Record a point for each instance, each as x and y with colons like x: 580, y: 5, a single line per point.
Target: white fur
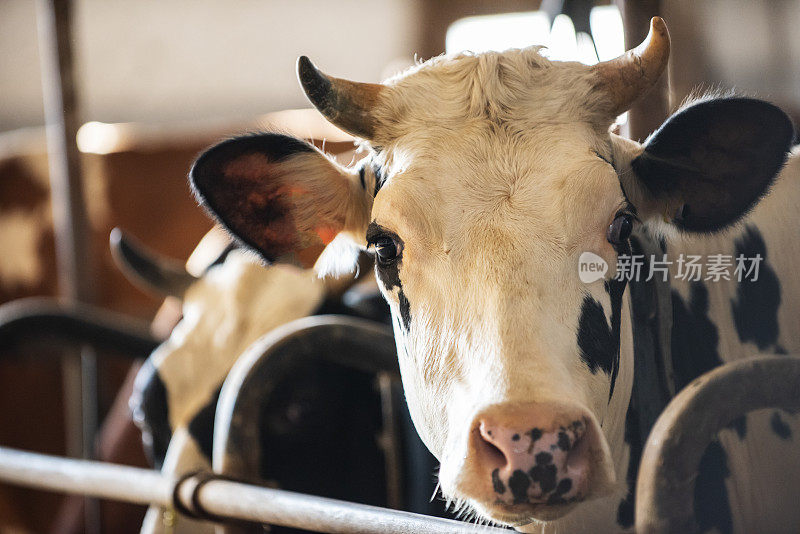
x: 223, y: 313
x: 494, y: 184
x: 487, y: 158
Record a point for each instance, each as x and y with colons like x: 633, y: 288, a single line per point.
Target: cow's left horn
x: 161, y: 275
x: 632, y: 74
x: 346, y: 104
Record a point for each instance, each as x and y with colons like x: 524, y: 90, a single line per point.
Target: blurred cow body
x: 235, y: 302
x: 224, y: 311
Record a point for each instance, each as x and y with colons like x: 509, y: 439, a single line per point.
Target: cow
x: 488, y: 177
x: 226, y: 310
x: 175, y: 393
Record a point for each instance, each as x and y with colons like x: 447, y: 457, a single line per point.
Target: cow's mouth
x: 517, y: 515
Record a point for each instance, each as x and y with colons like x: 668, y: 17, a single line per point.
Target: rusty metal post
x: 71, y: 229
x: 648, y: 112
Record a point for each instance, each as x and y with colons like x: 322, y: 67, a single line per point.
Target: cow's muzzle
x: 535, y: 460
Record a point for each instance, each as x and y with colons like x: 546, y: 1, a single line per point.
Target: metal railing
x: 218, y: 498
x: 671, y: 458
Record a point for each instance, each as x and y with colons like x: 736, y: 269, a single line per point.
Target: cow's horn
x: 346, y: 104
x: 145, y: 269
x: 632, y: 74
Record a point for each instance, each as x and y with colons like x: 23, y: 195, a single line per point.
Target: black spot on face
x: 515, y: 437
x: 535, y: 433
x: 201, y: 427
x: 544, y: 472
x: 755, y: 308
x: 519, y: 484
x: 594, y: 337
x: 405, y: 309
x: 779, y: 426
x: 497, y: 484
x: 563, y: 441
x: 389, y: 274
x: 564, y: 485
x: 545, y: 475
x: 151, y: 411
x: 694, y: 336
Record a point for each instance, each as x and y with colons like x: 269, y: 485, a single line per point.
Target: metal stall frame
x: 209, y: 496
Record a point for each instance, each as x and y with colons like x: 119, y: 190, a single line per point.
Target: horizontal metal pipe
x: 94, y: 479
x: 218, y: 497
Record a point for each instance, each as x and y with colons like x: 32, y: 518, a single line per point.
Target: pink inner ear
x: 263, y: 200
x: 326, y: 233
x: 252, y: 167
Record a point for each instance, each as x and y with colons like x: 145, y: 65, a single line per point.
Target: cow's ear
x: 280, y: 196
x: 710, y: 163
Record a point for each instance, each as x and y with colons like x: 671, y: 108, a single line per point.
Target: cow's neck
x: 639, y: 402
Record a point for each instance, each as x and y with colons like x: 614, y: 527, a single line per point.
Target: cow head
x: 224, y: 311
x: 489, y: 175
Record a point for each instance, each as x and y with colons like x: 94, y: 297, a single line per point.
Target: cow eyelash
x: 387, y: 249
x: 621, y: 226
x: 386, y: 246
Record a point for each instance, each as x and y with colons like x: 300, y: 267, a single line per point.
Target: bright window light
x: 519, y: 30
x: 606, y: 24
x: 498, y: 32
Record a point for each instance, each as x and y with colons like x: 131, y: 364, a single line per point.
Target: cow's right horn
x: 145, y: 269
x: 632, y: 74
x: 346, y: 104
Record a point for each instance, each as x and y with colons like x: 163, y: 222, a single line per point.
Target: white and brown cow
x: 489, y: 175
x: 224, y: 311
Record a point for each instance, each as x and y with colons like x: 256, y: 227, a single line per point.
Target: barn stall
x: 104, y: 175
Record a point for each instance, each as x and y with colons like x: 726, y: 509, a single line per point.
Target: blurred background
x: 156, y: 81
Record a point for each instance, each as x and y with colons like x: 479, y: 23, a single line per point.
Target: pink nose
x: 535, y: 454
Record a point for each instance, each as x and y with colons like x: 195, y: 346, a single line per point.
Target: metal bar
x: 61, y: 113
x: 222, y: 498
x: 665, y: 487
x: 389, y: 440
x: 54, y: 19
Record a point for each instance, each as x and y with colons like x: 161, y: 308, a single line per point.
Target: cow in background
x: 489, y: 176
x: 235, y: 302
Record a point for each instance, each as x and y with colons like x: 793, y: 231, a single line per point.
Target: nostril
x: 493, y: 454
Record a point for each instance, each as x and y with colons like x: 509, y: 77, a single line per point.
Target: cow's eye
x: 386, y: 249
x: 620, y: 229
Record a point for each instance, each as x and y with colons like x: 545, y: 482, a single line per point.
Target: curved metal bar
x: 352, y: 342
x: 37, y: 321
x: 668, y: 470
